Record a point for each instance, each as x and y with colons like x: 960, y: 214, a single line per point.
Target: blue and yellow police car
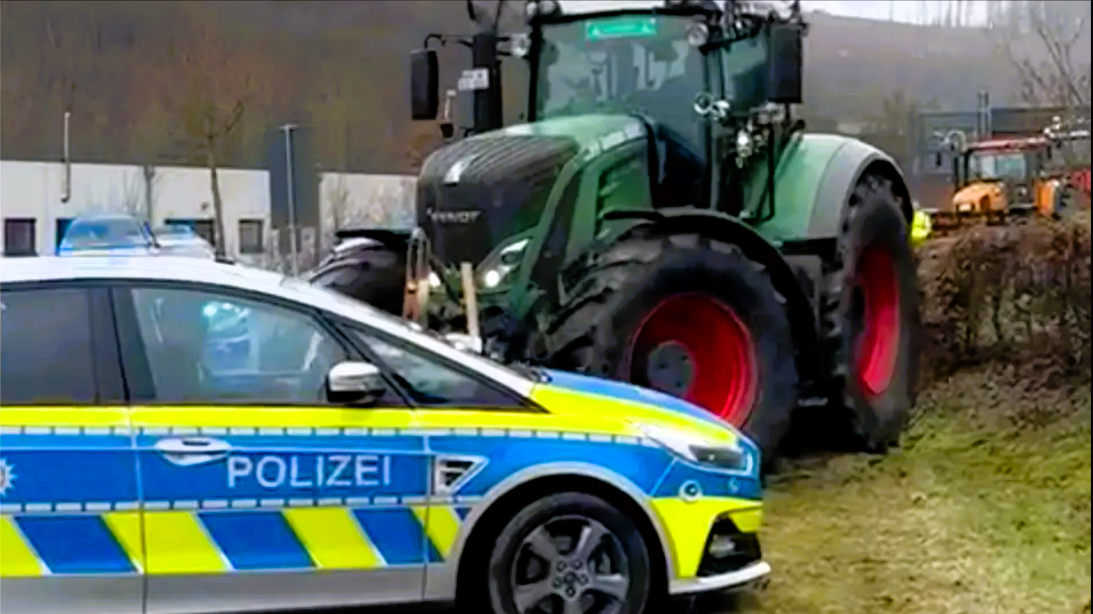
x: 335, y: 456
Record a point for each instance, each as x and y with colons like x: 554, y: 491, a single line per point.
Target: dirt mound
x: 1015, y: 298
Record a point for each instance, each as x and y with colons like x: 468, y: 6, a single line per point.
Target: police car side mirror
x: 354, y: 382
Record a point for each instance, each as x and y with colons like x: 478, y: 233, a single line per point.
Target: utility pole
x: 293, y: 247
x: 66, y: 181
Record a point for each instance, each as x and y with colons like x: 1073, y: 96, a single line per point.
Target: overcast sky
x: 900, y: 10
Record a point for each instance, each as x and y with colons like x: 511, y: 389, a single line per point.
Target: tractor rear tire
x: 871, y: 320
x: 375, y: 275
x: 695, y: 303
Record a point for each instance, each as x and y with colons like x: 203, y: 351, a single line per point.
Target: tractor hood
x: 477, y: 192
x: 969, y: 197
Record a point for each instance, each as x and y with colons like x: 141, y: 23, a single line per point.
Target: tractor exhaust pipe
x: 470, y: 299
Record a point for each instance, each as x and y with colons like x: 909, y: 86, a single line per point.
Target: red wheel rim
x: 878, y: 344
x: 698, y: 330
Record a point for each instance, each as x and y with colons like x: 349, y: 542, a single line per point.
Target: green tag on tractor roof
x: 621, y: 27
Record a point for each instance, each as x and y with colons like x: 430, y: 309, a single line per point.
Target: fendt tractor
x: 663, y: 218
x: 998, y: 181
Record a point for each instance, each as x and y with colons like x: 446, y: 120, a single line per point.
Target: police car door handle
x: 189, y: 451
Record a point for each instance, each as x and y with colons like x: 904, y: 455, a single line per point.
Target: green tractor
x: 663, y: 219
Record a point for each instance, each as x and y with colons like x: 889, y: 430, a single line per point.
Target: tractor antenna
x: 497, y: 15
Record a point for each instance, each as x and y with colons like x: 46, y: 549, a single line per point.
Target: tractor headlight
x: 697, y: 35
x: 541, y: 8
x: 521, y: 45
x: 496, y: 268
x: 701, y: 451
x: 434, y: 280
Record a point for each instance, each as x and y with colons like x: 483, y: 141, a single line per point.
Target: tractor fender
x: 813, y: 183
x: 395, y: 239
x: 722, y: 227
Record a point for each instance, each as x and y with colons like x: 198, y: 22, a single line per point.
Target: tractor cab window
x: 622, y: 64
x: 989, y: 165
x: 745, y: 69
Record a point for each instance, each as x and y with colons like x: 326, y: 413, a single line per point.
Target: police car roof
x: 192, y: 270
x: 197, y: 270
x: 168, y: 268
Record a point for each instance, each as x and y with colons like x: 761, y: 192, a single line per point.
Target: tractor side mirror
x: 785, y: 65
x: 424, y: 85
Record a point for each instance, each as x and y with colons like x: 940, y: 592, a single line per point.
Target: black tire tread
x: 571, y: 337
x: 834, y: 328
x: 379, y: 279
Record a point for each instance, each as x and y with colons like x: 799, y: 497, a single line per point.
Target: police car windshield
x: 999, y: 165
x: 411, y: 329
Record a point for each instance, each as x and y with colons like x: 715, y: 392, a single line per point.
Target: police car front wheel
x: 570, y: 553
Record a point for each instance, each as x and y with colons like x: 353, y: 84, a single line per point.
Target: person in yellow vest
x: 921, y: 228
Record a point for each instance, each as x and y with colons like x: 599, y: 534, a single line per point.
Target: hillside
x: 341, y: 67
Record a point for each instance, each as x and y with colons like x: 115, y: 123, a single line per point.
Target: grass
x: 978, y: 513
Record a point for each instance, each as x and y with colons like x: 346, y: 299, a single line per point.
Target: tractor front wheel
x: 374, y: 274
x: 691, y: 317
x: 871, y: 316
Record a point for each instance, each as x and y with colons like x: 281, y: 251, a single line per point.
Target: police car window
x: 203, y: 347
x: 46, y: 341
x: 429, y: 380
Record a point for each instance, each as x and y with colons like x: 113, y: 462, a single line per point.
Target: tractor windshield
x: 621, y: 64
x: 991, y: 165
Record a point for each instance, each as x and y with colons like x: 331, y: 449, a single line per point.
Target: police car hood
x: 570, y: 393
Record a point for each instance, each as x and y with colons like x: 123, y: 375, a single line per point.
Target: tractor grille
x: 1019, y: 193
x: 476, y: 193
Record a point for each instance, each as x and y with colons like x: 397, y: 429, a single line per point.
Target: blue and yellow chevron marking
x: 326, y: 488
x: 687, y: 525
x: 218, y: 542
x: 34, y: 545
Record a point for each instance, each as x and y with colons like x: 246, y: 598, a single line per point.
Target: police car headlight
x: 964, y: 207
x: 499, y: 267
x: 702, y: 451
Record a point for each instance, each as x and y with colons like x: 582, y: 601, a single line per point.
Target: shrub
x: 1017, y: 296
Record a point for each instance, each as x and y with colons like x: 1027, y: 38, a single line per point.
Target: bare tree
x: 207, y: 91
x: 18, y: 101
x: 332, y: 114
x: 1045, y: 58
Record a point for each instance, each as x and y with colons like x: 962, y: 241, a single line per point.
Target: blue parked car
x: 108, y: 234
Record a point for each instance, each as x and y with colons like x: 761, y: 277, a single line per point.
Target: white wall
x: 33, y: 190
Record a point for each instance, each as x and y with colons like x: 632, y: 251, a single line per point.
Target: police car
x: 348, y: 458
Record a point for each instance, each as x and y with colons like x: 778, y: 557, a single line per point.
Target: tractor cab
x: 1013, y: 177
x: 630, y: 63
x: 993, y: 176
x: 646, y: 107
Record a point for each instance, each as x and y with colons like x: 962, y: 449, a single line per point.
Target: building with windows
x: 37, y: 210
